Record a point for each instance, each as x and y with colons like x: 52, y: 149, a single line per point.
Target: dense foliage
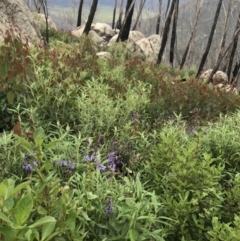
x: 113, y: 149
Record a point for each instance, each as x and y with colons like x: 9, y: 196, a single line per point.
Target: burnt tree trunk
x: 79, y: 19
x: 114, y: 14
x: 234, y: 48
x: 119, y: 22
x: 210, y: 39
x: 193, y: 32
x: 139, y: 14
x: 174, y: 32
x: 90, y: 17
x: 166, y: 31
x: 159, y: 17
x: 124, y: 32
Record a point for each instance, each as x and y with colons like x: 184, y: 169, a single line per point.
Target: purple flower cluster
x: 108, y: 207
x: 112, y: 161
x: 66, y: 164
x: 94, y: 158
x: 28, y: 160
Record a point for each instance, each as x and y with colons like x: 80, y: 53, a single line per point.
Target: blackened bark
x: 234, y: 47
x: 205, y: 54
x: 90, y: 17
x: 166, y: 32
x: 159, y: 17
x: 174, y: 32
x: 119, y: 22
x: 124, y: 32
x: 114, y: 14
x: 79, y: 19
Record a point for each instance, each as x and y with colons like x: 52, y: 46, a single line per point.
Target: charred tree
x: 44, y: 7
x: 193, y: 32
x: 234, y: 47
x: 114, y: 14
x: 159, y: 17
x: 124, y: 32
x: 91, y: 17
x: 210, y: 39
x: 119, y: 22
x: 79, y: 19
x: 139, y: 14
x: 174, y: 32
x: 166, y: 31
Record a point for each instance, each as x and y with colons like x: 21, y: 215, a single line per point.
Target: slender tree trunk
x: 167, y: 8
x: 44, y: 6
x: 79, y: 19
x: 235, y: 73
x: 174, y: 32
x: 124, y: 32
x: 166, y: 31
x: 234, y: 48
x: 193, y: 32
x: 119, y: 22
x: 90, y: 17
x: 223, y: 40
x: 204, y: 57
x: 139, y: 14
x: 114, y: 14
x: 159, y: 17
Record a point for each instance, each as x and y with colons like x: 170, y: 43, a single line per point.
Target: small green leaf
x: 84, y: 214
x: 4, y: 218
x: 19, y: 187
x: 51, y: 144
x: 47, y: 229
x: 23, y: 209
x: 3, y: 190
x: 10, y: 97
x: 91, y: 196
x: 42, y: 221
x: 42, y: 210
x: 39, y: 133
x: 27, y: 145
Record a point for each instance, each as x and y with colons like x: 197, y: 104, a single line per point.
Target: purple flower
x: 111, y: 157
x: 28, y: 166
x: 112, y: 166
x: 64, y: 163
x: 71, y: 165
x: 87, y: 158
x: 101, y: 167
x: 108, y: 207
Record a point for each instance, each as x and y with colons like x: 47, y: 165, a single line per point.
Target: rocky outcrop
x: 220, y: 81
x: 41, y: 22
x: 218, y: 78
x: 16, y: 17
x: 137, y: 45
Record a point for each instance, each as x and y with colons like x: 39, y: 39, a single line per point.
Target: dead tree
x: 205, y: 54
x: 159, y: 17
x: 79, y: 19
x: 166, y: 31
x: 142, y: 3
x: 174, y: 32
x: 44, y: 7
x: 114, y: 14
x: 125, y: 29
x: 234, y: 48
x: 90, y: 17
x: 119, y: 22
x: 225, y: 28
x: 193, y: 32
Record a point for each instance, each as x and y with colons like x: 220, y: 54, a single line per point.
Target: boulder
x: 135, y: 36
x: 17, y: 17
x: 145, y: 46
x: 78, y: 31
x: 103, y: 30
x: 41, y: 22
x: 218, y: 78
x: 95, y: 37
